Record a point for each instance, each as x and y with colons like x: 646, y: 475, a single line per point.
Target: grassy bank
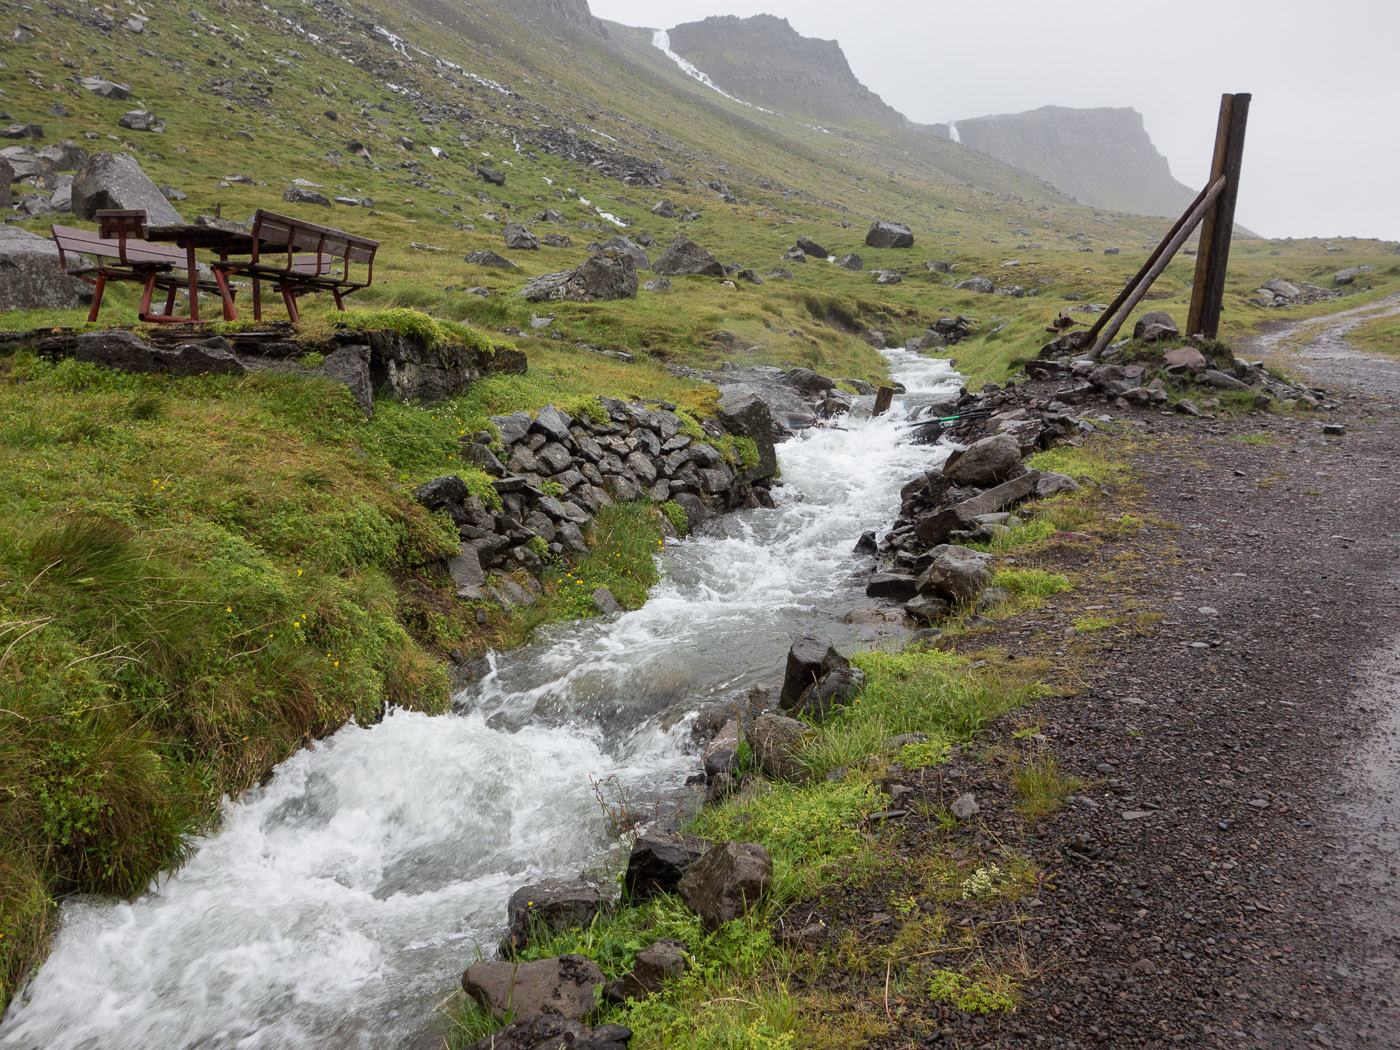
x: 199, y: 576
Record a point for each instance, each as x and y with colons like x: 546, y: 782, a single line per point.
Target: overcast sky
x: 1322, y: 151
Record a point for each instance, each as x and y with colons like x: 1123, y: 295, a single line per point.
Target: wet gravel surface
x: 1230, y: 877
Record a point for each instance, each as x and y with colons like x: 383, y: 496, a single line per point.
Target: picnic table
x: 293, y: 255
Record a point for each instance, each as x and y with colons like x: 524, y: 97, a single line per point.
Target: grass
x: 1040, y: 787
x: 1378, y: 336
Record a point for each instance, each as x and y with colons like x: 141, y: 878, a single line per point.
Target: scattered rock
x: 958, y: 575
x: 726, y: 882
x: 550, y: 1032
x: 1155, y: 326
x: 545, y: 908
x: 30, y: 276
x: 519, y: 238
x: 115, y: 180
x: 685, y: 257
x: 774, y: 740
x: 657, y: 862
x: 565, y: 987
x: 985, y: 462
x: 141, y: 120
x: 298, y: 195
x: 486, y: 257
x: 610, y: 274
x: 889, y: 235
x: 976, y: 284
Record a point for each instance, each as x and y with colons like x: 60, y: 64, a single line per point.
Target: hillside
x: 1101, y: 157
x: 201, y: 575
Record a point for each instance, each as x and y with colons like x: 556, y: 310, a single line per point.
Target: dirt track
x: 1230, y: 880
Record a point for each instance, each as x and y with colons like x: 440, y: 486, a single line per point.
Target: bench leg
x: 339, y: 300
x: 257, y: 299
x: 98, y: 289
x: 226, y: 294
x: 146, y: 294
x: 290, y: 299
x: 170, y: 301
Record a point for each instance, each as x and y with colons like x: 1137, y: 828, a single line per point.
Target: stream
x: 335, y: 906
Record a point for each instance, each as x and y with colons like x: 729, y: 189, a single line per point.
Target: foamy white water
x: 337, y: 904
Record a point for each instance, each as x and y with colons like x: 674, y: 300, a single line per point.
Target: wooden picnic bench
x: 298, y: 256
x: 121, y: 253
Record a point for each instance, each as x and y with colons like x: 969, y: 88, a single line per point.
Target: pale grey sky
x: 1322, y: 152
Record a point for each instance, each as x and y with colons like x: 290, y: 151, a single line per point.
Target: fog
x: 1321, y: 147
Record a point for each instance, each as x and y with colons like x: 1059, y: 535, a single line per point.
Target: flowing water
x: 337, y: 903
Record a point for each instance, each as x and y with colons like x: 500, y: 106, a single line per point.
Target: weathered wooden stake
x: 1213, y: 252
x: 883, y: 397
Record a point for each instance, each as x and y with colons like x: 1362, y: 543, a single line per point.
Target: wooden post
x: 1213, y: 252
x: 883, y: 397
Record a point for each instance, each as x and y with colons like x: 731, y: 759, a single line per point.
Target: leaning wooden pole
x: 1193, y: 218
x: 1213, y: 252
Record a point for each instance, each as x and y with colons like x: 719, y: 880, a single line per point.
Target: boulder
x: 7, y: 176
x: 657, y: 963
x: 129, y: 352
x: 985, y: 462
x: 610, y: 274
x: 624, y: 244
x: 30, y: 276
x: 63, y: 156
x: 566, y: 986
x: 300, y: 195
x: 664, y: 208
x: 658, y: 284
x: 808, y: 382
x: 550, y: 1032
x: 491, y: 175
x: 519, y: 238
x: 1154, y: 326
x: 744, y: 414
x: 976, y: 284
x: 1347, y: 276
x: 892, y: 585
x: 726, y: 882
x: 486, y: 257
x: 1221, y: 380
x: 105, y: 88
x: 22, y: 131
x: 809, y: 659
x: 811, y: 247
x: 957, y: 575
x: 605, y: 603
x: 115, y: 180
x: 657, y: 862
x: 442, y: 493
x: 774, y: 740
x: 835, y: 689
x: 940, y: 526
x: 548, y: 907
x: 926, y: 611
x: 141, y: 120
x: 685, y: 257
x: 1187, y: 357
x: 937, y: 266
x: 888, y: 277
x: 350, y: 365
x: 1049, y: 484
x: 851, y: 262
x: 889, y: 235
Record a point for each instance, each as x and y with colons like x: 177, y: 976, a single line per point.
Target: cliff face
x: 765, y: 61
x: 1101, y: 157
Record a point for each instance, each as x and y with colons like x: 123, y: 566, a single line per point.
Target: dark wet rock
x: 809, y: 658
x: 726, y: 882
x: 551, y: 1032
x: 657, y: 963
x: 985, y: 462
x: 565, y: 987
x: 624, y: 244
x: 657, y: 862
x: 836, y: 689
x: 141, y: 120
x: 546, y: 908
x: 518, y: 238
x: 957, y: 575
x: 491, y: 175
x: 774, y: 740
x: 605, y: 603
x: 684, y: 257
x: 129, y: 352
x: 896, y: 587
x: 851, y: 261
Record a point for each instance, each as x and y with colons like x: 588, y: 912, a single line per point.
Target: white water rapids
x: 337, y: 904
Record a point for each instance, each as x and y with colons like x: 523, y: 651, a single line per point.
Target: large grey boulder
x: 141, y: 120
x: 550, y: 1032
x: 976, y: 284
x: 851, y: 261
x: 726, y: 882
x: 105, y: 88
x: 566, y: 986
x: 986, y: 462
x: 889, y: 235
x: 775, y: 741
x: 624, y: 244
x: 129, y: 352
x: 811, y: 247
x: 63, y: 156
x: 7, y: 176
x: 301, y: 195
x: 809, y: 658
x: 957, y: 575
x: 519, y: 238
x: 685, y: 257
x: 610, y: 274
x: 486, y: 257
x: 546, y: 908
x: 115, y: 180
x: 30, y: 277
